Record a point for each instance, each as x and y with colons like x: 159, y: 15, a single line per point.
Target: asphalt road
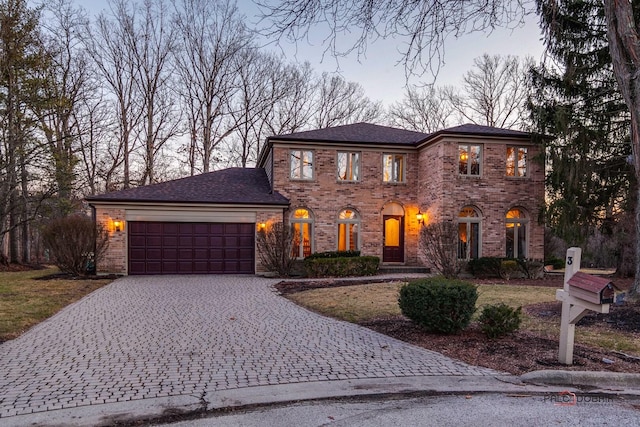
x: 448, y: 410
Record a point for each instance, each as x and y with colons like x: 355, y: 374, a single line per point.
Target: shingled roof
x: 227, y: 186
x: 357, y: 132
x: 471, y: 129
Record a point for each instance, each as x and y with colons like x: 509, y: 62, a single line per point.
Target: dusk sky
x: 379, y: 72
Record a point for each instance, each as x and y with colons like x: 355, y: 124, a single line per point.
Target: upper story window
x: 348, y: 166
x: 301, y: 163
x: 394, y: 167
x: 469, y: 159
x: 517, y: 161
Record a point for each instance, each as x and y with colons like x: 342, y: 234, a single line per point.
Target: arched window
x: 302, y: 222
x: 469, y: 233
x: 516, y: 235
x: 348, y: 229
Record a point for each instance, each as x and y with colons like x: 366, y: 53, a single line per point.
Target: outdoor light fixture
x: 117, y: 225
x: 420, y: 217
x: 262, y: 226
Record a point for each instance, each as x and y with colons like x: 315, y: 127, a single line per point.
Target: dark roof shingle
x: 226, y: 186
x: 357, y: 132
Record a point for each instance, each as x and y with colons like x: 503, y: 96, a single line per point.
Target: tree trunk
x: 624, y: 46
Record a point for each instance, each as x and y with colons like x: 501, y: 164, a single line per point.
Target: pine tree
x: 590, y: 179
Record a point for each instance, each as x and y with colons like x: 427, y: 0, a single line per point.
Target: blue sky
x: 379, y: 72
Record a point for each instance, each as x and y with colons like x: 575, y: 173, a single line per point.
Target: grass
x: 361, y: 303
x: 25, y: 301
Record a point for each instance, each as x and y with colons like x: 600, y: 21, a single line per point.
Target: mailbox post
x: 582, y: 292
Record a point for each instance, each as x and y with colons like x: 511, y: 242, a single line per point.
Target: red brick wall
x: 325, y: 196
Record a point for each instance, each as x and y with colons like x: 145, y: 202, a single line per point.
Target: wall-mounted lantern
x: 116, y: 225
x: 420, y: 217
x: 262, y: 226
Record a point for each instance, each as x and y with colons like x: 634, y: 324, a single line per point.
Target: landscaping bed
x: 523, y: 351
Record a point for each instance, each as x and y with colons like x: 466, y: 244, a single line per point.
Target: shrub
x: 509, y: 269
x: 341, y: 267
x: 439, y: 304
x: 334, y: 254
x: 532, y: 269
x: 485, y: 267
x: 439, y: 243
x: 76, y: 243
x: 500, y: 319
x: 274, y: 248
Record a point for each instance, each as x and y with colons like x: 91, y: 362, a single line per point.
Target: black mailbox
x: 594, y: 289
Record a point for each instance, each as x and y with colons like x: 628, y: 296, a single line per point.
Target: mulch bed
x: 516, y: 353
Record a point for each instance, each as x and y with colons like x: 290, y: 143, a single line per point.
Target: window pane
x: 348, y: 166
x: 353, y: 237
x: 306, y: 239
x: 474, y: 153
x: 342, y: 166
x: 521, y: 229
x: 522, y: 161
x: 295, y: 164
x: 392, y: 232
x: 511, y: 161
x: 511, y: 247
x: 307, y: 165
x: 463, y: 156
x: 342, y: 237
x: 474, y: 246
x: 393, y: 168
x: 462, y: 240
x: 355, y: 167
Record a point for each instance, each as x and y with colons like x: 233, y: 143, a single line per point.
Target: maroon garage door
x: 190, y: 248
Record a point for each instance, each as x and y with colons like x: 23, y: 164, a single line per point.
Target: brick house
x: 359, y: 186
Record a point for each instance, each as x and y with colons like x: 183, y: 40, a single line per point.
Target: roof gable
x: 226, y: 186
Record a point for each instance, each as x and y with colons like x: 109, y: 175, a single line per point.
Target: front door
x: 393, y: 236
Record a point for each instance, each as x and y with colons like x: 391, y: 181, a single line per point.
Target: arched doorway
x: 393, y: 233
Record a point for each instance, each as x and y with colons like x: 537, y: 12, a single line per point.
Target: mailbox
x: 594, y: 289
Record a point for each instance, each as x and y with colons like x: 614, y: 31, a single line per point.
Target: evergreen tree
x: 590, y: 181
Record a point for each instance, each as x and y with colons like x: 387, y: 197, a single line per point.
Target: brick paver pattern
x: 148, y: 337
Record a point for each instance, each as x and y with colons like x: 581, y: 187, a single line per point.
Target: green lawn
x: 25, y: 301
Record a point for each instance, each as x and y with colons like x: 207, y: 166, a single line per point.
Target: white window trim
x: 514, y: 221
x: 468, y: 220
x: 480, y: 160
x: 404, y: 168
x: 347, y: 221
x: 313, y: 165
x: 349, y: 156
x: 310, y: 221
x: 527, y: 162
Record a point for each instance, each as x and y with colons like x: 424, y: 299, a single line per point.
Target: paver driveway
x: 147, y: 337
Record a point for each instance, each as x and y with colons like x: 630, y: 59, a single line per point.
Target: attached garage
x: 191, y: 248
x: 204, y: 224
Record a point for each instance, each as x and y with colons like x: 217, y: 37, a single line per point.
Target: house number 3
x: 569, y: 260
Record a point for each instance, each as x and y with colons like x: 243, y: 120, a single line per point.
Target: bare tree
x: 108, y: 43
x: 210, y: 34
x: 64, y: 86
x: 339, y: 102
x: 293, y: 90
x: 422, y: 109
x: 494, y: 92
x: 152, y: 43
x: 439, y: 244
x: 425, y: 24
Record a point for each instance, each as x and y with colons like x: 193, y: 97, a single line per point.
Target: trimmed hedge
x: 341, y: 267
x: 438, y: 304
x: 334, y: 254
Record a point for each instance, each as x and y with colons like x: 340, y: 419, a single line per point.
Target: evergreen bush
x: 438, y: 304
x: 499, y: 319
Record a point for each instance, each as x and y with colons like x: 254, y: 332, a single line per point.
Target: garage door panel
x: 181, y: 248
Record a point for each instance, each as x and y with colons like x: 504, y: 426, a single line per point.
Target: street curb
x: 605, y: 381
